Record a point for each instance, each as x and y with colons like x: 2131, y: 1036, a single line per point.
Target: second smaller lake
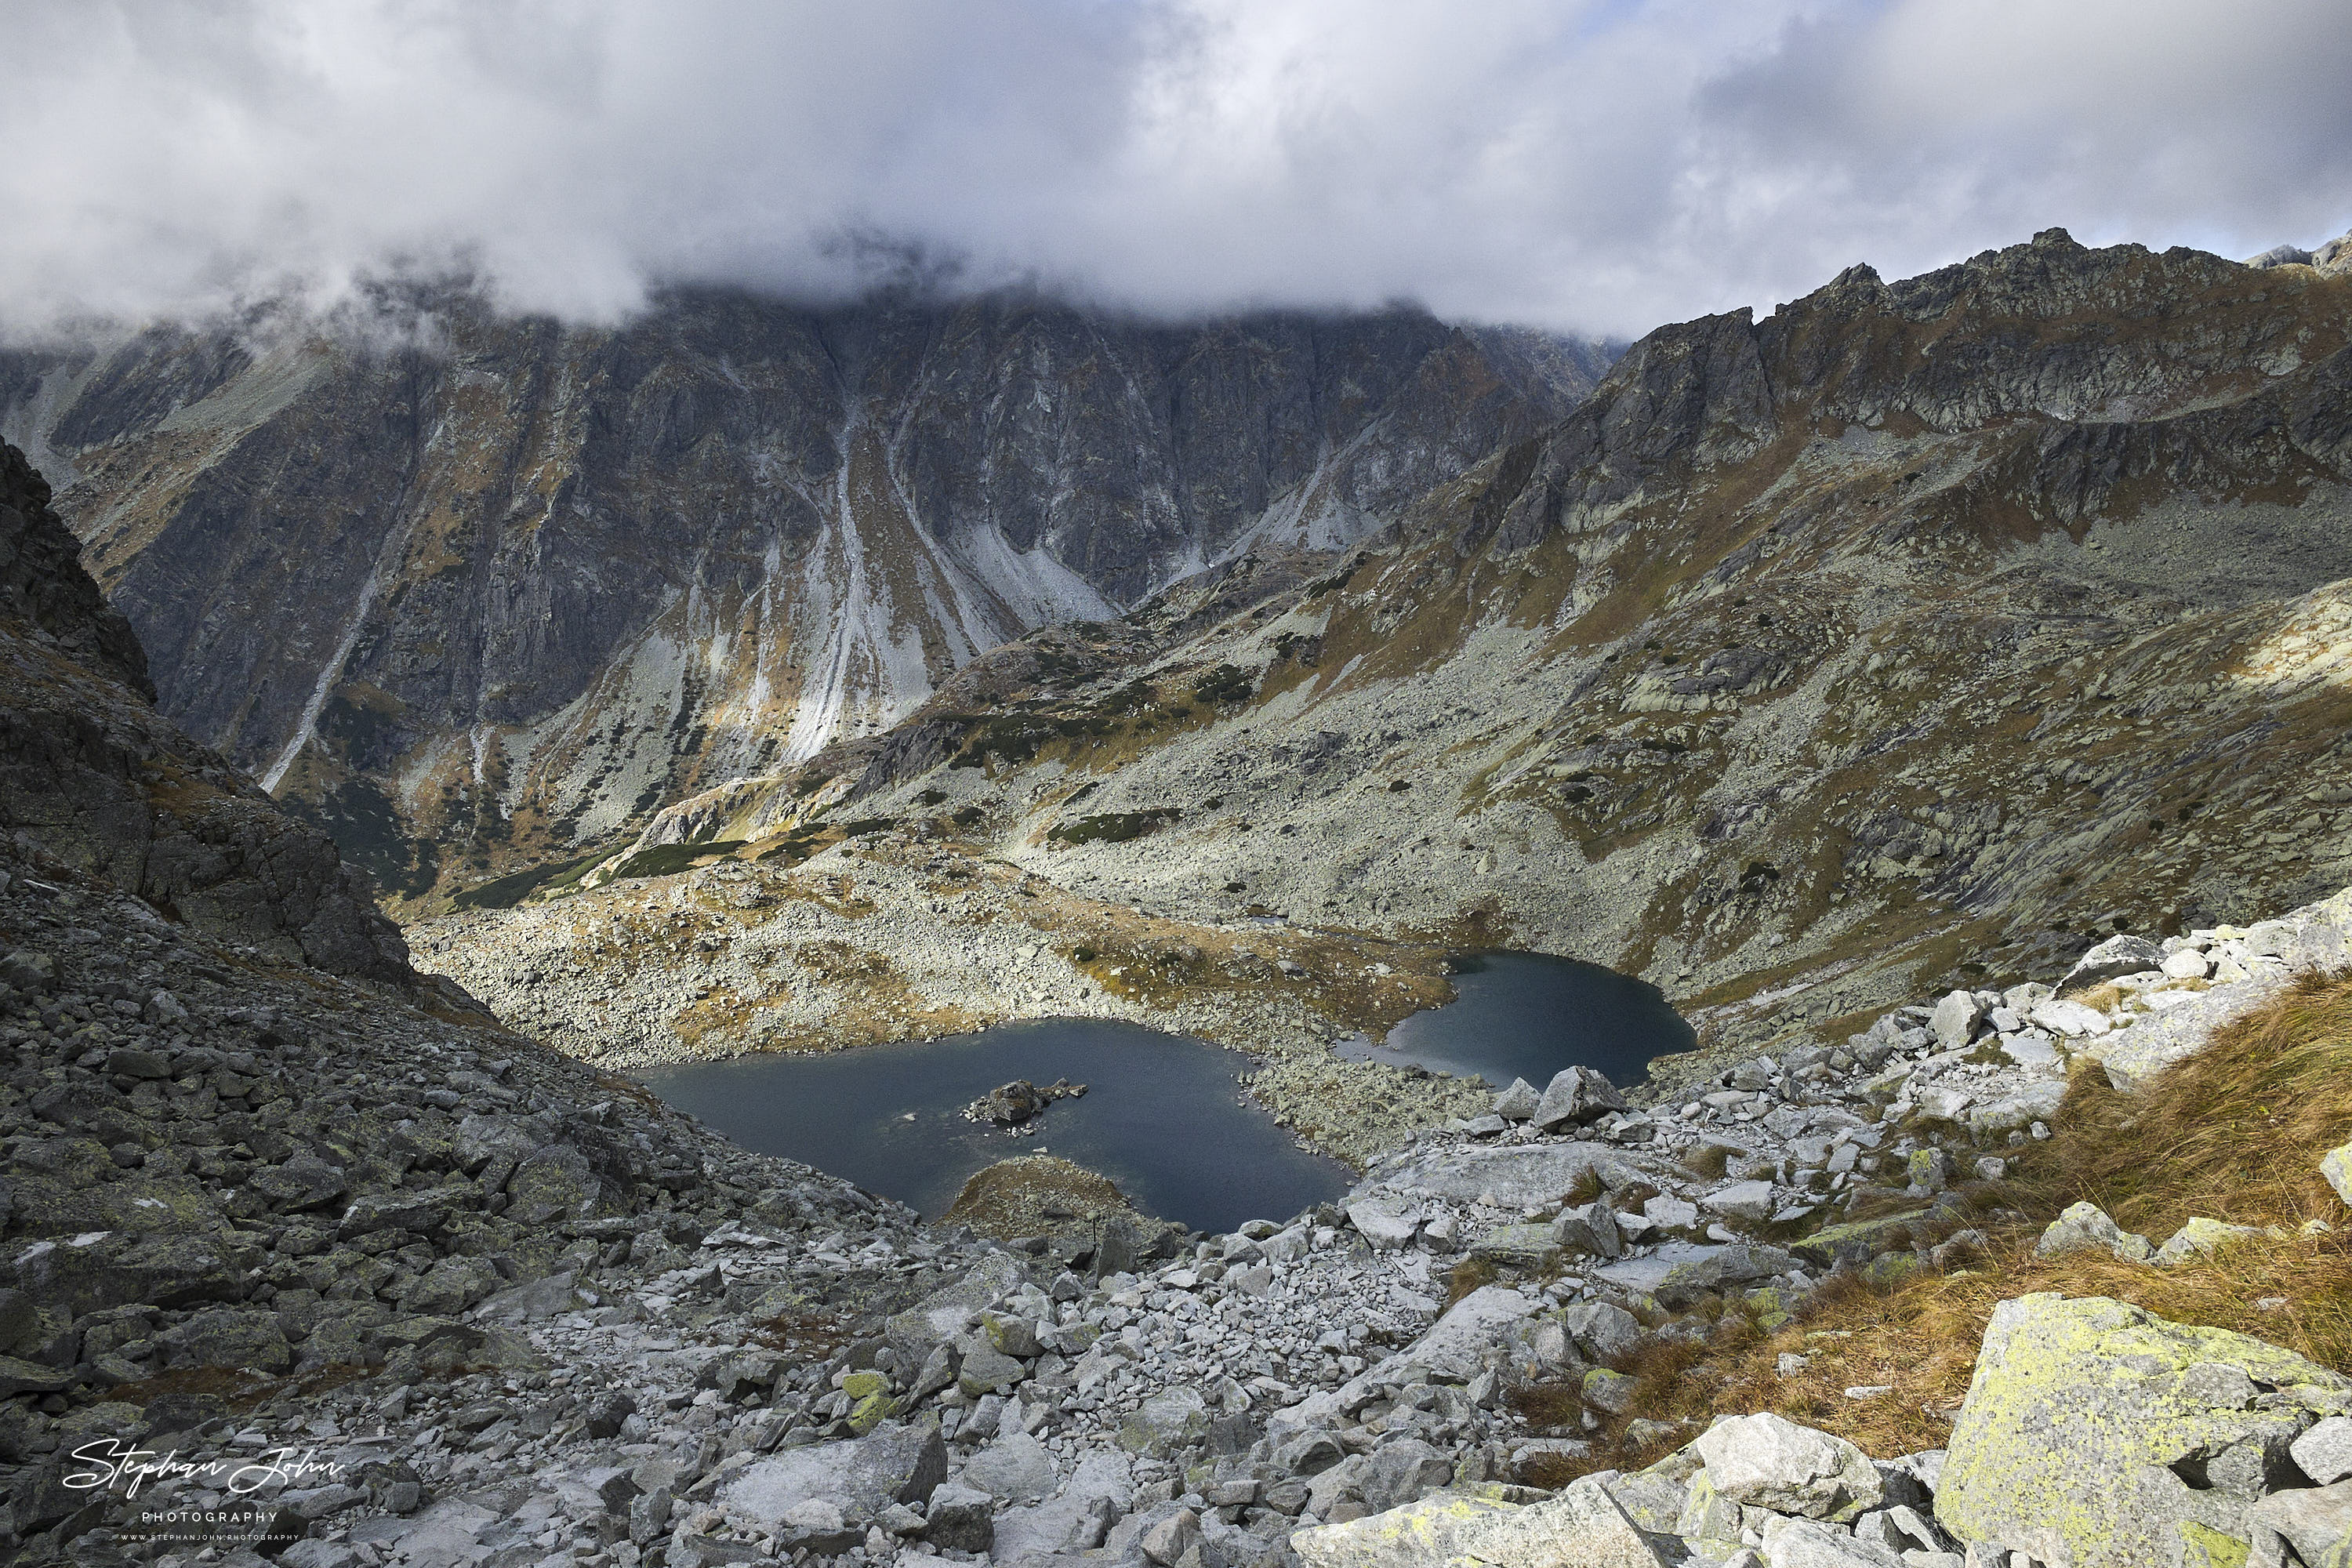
x: 1529, y: 1015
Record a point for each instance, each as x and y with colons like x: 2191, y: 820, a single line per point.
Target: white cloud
x: 1600, y: 164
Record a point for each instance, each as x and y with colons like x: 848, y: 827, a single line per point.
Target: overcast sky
x: 1597, y: 165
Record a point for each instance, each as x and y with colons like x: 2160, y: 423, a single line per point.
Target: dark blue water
x: 1529, y: 1015
x: 1162, y: 1117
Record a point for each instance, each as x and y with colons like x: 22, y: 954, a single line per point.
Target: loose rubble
x: 535, y: 1316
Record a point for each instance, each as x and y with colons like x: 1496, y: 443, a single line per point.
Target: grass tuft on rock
x: 2234, y: 1133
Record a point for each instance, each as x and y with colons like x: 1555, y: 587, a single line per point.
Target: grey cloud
x: 1592, y: 164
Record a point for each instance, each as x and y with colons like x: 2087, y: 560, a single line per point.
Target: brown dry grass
x: 2234, y: 1133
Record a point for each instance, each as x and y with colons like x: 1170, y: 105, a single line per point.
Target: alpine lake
x: 1163, y: 1115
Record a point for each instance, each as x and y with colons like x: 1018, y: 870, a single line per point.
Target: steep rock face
x: 45, y: 590
x: 96, y: 778
x: 1973, y: 615
x: 520, y: 582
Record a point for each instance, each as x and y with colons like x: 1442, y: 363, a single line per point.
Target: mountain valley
x: 1939, y: 690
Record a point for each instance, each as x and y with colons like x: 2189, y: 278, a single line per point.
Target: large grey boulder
x: 1519, y: 1102
x: 247, y: 1337
x: 2145, y: 1047
x: 1074, y: 1521
x: 554, y: 1182
x: 940, y: 1318
x: 2112, y: 960
x: 1577, y: 1094
x: 531, y: 1303
x: 1385, y: 1220
x: 2087, y: 1227
x: 1581, y: 1525
x: 1601, y: 1329
x: 1404, y: 1471
x: 1454, y: 1349
x: 1802, y: 1543
x: 2099, y: 1436
x: 961, y: 1519
x: 1955, y: 1019
x: 1589, y: 1232
x: 1534, y: 1175
x: 2325, y: 1453
x: 1680, y: 1271
x: 1173, y: 1419
x: 1015, y: 1468
x: 2315, y: 1521
x: 861, y: 1477
x: 1768, y: 1461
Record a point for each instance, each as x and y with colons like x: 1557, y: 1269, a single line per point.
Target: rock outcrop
x: 104, y: 784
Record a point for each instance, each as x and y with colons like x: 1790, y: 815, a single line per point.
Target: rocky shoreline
x: 897, y: 936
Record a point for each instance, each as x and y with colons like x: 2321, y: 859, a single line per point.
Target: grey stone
x: 303, y: 1181
x: 1589, y: 1232
x: 861, y: 1477
x: 1074, y: 1521
x: 2112, y: 960
x: 2087, y: 1227
x: 2201, y: 1238
x: 2336, y: 1167
x: 1605, y: 1390
x: 1748, y: 1201
x: 28, y: 971
x: 419, y: 1209
x: 1576, y: 1094
x: 1601, y: 1329
x: 2072, y: 1019
x: 1454, y: 1349
x: 129, y: 1062
x: 1581, y: 1525
x: 2325, y: 1453
x: 19, y: 1376
x: 1168, y: 1422
x: 2151, y: 1043
x: 948, y: 1314
x: 1015, y: 1468
x: 234, y: 1337
x: 1677, y: 1272
x: 961, y: 1519
x: 1384, y: 1221
x: 531, y: 1303
x: 1167, y: 1542
x: 1519, y: 1102
x: 1768, y: 1461
x: 983, y: 1370
x: 1404, y: 1471
x: 1955, y: 1019
x: 553, y: 1181
x: 607, y: 1413
x: 2316, y: 1521
x: 1537, y: 1176
x: 1518, y: 1246
x: 1805, y: 1544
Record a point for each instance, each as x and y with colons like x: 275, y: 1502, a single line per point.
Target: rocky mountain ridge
x: 467, y: 588
x: 1960, y: 620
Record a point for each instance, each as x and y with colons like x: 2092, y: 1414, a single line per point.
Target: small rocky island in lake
x: 1018, y: 1104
